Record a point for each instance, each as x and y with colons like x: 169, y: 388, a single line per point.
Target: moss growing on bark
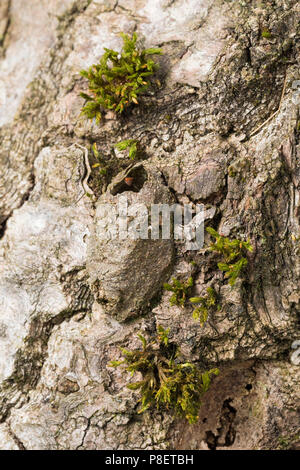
x: 206, y: 305
x: 168, y: 382
x: 180, y: 290
x: 233, y: 254
x: 119, y: 78
x: 130, y: 144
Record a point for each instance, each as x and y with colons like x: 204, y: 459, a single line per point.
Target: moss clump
x: 180, y: 291
x: 286, y: 442
x: 99, y: 165
x: 167, y: 381
x: 266, y: 34
x: 233, y: 252
x: 207, y: 304
x: 130, y: 144
x: 117, y: 80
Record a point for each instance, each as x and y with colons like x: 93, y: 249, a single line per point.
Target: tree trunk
x: 220, y: 127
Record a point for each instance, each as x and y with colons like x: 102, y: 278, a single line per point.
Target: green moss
x: 100, y: 165
x: 266, y: 34
x: 286, y: 441
x: 232, y: 172
x: 180, y: 291
x: 232, y: 252
x: 207, y: 304
x: 132, y: 144
x: 117, y: 80
x: 168, y: 382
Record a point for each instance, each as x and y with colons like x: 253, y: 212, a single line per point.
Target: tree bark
x: 220, y: 128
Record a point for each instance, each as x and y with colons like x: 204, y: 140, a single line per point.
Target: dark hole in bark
x: 134, y: 181
x: 225, y: 436
x: 211, y: 440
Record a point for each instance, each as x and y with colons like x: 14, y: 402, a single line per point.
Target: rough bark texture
x: 222, y: 130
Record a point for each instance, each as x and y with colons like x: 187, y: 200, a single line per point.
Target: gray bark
x: 222, y: 130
